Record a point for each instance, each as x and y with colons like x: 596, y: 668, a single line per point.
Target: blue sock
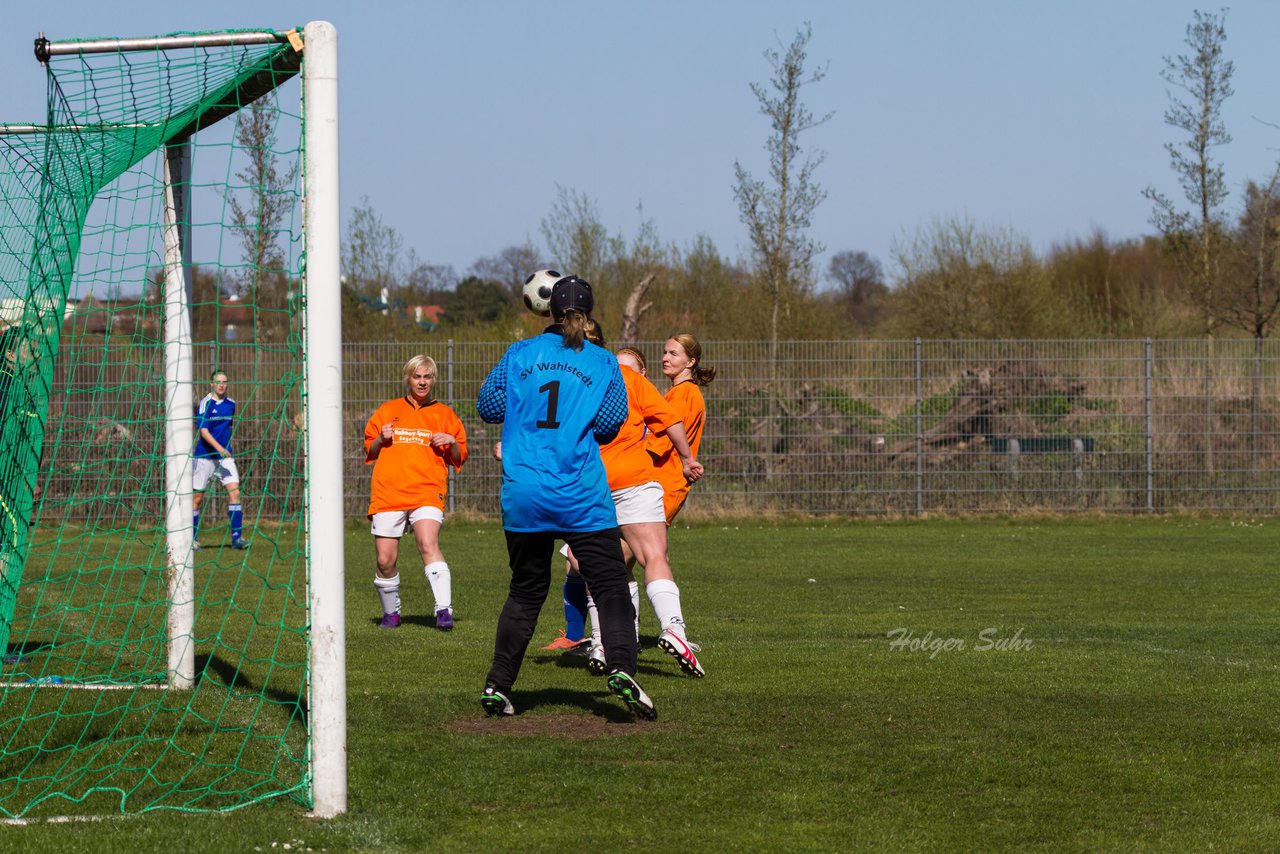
x: 237, y: 518
x: 575, y: 607
x: 195, y: 524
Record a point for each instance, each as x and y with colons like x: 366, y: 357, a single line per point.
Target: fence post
x: 448, y: 361
x: 1147, y: 426
x: 919, y: 433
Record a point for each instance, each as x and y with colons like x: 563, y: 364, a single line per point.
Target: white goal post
x: 323, y: 323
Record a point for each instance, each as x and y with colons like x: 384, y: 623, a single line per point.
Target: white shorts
x: 637, y: 504
x: 206, y: 468
x: 392, y: 523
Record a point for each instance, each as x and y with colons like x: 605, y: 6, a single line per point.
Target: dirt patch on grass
x: 557, y: 725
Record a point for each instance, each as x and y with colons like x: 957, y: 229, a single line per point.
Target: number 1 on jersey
x: 553, y: 397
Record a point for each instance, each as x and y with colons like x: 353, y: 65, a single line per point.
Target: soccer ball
x: 537, y: 291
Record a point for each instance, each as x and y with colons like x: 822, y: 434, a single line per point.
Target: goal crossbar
x: 178, y: 41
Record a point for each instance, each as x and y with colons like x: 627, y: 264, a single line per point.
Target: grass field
x: 1076, y: 684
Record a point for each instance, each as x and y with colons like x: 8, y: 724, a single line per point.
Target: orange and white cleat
x: 566, y: 644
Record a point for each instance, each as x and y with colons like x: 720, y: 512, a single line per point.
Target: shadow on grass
x: 543, y: 712
x: 234, y: 678
x: 426, y: 621
x: 593, y: 698
x: 571, y: 661
x: 18, y: 653
x: 563, y: 725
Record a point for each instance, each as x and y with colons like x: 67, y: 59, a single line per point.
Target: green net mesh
x: 87, y: 722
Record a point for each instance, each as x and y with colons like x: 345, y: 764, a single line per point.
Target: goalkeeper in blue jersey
x: 214, y: 423
x: 558, y: 398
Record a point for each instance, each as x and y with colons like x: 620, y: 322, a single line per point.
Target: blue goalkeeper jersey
x: 216, y: 416
x: 556, y: 406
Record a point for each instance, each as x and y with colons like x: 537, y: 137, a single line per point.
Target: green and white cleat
x: 495, y: 702
x: 629, y: 691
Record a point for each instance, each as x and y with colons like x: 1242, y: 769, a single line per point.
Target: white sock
x: 664, y: 595
x: 595, y: 621
x: 634, y: 587
x: 438, y: 577
x: 388, y: 592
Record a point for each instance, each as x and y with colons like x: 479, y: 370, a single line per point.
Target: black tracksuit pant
x: 599, y: 556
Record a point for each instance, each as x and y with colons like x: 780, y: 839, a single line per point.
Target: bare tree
x: 580, y: 242
x: 634, y: 309
x: 640, y: 264
x: 1196, y: 237
x: 777, y: 212
x: 370, y: 252
x: 1204, y: 75
x: 576, y: 237
x: 417, y: 282
x: 1252, y: 296
x: 271, y: 198
x: 961, y: 280
x: 861, y: 282
x: 510, y: 268
x: 1251, y: 299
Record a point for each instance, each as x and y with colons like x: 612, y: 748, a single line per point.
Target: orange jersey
x: 626, y: 462
x: 686, y: 399
x: 409, y: 473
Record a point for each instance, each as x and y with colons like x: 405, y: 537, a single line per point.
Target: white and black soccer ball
x: 537, y: 291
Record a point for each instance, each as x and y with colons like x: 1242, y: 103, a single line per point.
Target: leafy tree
x: 477, y: 301
x: 362, y: 320
x: 1196, y: 236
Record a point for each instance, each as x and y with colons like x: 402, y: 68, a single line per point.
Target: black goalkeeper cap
x: 571, y: 292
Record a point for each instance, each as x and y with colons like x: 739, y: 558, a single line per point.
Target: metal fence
x: 873, y: 427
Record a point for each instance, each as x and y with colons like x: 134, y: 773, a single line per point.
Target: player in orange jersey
x: 638, y: 497
x: 411, y: 442
x: 682, y: 366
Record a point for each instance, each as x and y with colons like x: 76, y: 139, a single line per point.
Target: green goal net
x: 152, y: 232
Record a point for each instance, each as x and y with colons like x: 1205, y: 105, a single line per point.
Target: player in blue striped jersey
x: 215, y: 419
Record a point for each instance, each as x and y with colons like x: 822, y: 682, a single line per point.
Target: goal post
x: 323, y: 410
x: 179, y: 435
x: 218, y: 674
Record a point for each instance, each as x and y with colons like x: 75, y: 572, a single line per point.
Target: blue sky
x: 459, y: 120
